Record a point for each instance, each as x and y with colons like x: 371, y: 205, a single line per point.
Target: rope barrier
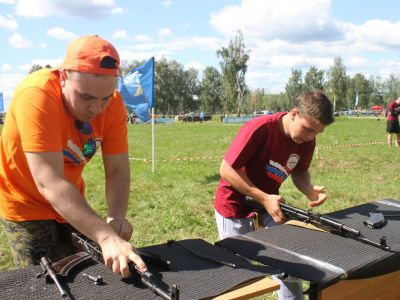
x: 317, y: 153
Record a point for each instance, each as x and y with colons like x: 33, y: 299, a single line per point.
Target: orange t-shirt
x: 38, y: 121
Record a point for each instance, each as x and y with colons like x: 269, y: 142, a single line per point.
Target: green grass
x: 176, y: 202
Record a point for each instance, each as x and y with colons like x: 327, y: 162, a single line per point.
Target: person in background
x: 392, y: 122
x: 56, y: 120
x: 264, y: 153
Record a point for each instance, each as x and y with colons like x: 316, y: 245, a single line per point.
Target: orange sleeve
x: 38, y: 121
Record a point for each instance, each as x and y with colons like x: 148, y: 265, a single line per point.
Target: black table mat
x: 325, y: 258
x: 197, y: 278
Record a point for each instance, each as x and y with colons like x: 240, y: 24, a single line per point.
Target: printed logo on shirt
x: 74, y: 154
x: 276, y: 171
x: 292, y: 161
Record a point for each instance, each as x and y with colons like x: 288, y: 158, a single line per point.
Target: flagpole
x: 152, y: 140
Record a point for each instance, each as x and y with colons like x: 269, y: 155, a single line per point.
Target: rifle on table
x: 48, y: 271
x: 146, y: 278
x: 316, y: 219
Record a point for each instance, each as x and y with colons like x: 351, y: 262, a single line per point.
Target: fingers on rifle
x: 124, y: 268
x: 137, y: 260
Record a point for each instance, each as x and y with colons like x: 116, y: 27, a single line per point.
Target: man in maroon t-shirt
x: 392, y: 123
x: 264, y: 153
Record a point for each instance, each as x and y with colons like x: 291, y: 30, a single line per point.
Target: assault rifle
x: 146, y: 278
x: 316, y: 219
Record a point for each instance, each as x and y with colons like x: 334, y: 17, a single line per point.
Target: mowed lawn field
x: 176, y: 202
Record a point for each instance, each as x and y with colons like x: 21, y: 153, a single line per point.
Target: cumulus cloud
x: 121, y: 34
x: 60, y: 34
x: 164, y: 32
x: 278, y: 19
x: 8, y: 22
x: 166, y: 3
x: 6, y: 67
x: 7, y: 1
x: 19, y: 42
x: 195, y: 65
x: 91, y: 9
x: 382, y: 33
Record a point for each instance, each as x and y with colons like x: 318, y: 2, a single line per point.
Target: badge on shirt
x: 292, y: 161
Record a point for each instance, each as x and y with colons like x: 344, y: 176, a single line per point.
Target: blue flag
x: 1, y: 102
x: 137, y: 89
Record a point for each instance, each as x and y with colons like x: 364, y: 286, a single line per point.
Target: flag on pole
x: 356, y: 103
x: 1, y: 102
x: 137, y: 89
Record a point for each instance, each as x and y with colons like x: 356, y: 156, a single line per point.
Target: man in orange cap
x: 56, y: 120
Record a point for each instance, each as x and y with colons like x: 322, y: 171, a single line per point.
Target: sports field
x: 176, y: 202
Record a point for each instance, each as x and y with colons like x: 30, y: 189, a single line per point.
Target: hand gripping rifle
x: 146, y: 278
x: 316, y: 219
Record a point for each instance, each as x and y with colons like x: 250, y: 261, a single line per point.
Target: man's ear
x: 63, y: 77
x: 293, y: 112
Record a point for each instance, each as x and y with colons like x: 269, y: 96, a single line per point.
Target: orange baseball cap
x: 92, y: 54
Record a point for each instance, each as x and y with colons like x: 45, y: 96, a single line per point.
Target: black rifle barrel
x: 49, y: 270
x: 318, y: 220
x: 145, y: 277
x: 312, y: 217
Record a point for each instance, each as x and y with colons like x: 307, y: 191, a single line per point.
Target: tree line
x: 225, y: 91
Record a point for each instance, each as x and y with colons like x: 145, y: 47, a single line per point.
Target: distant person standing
x: 392, y: 123
x: 201, y: 116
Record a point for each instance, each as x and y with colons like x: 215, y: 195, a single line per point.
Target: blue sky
x: 280, y: 34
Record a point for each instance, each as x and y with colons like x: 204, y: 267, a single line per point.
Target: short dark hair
x: 315, y: 104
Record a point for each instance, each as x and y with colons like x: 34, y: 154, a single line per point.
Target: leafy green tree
x: 294, y: 86
x: 211, y: 90
x: 190, y: 90
x: 234, y: 66
x: 392, y: 87
x: 337, y: 83
x: 359, y: 84
x: 36, y: 67
x: 314, y: 79
x: 377, y: 94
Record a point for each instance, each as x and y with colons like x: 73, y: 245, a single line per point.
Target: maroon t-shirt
x: 267, y: 157
x: 393, y: 113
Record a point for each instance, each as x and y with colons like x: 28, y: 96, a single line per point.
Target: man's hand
x: 117, y: 254
x: 271, y: 204
x: 317, y: 195
x: 121, y: 226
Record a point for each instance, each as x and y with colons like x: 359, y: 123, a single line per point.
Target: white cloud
x: 7, y: 1
x: 142, y: 38
x: 130, y: 55
x: 164, y: 32
x: 8, y: 22
x: 43, y: 45
x: 278, y: 19
x: 60, y: 34
x: 19, y: 42
x: 91, y: 9
x: 382, y: 33
x: 195, y: 65
x: 166, y: 3
x: 121, y: 34
x: 118, y: 11
x: 6, y: 68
